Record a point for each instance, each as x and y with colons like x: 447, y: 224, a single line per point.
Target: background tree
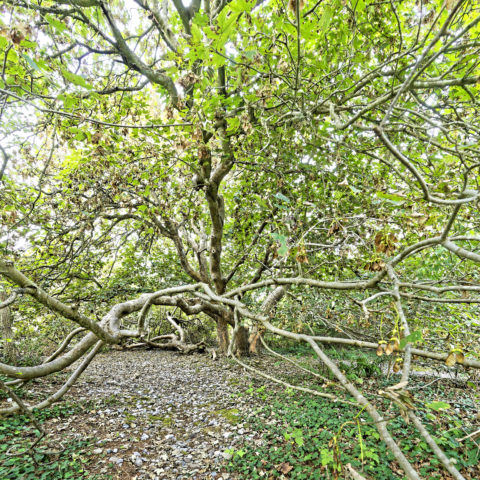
x: 9, y: 350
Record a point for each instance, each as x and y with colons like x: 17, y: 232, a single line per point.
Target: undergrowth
x: 68, y: 459
x: 302, y: 437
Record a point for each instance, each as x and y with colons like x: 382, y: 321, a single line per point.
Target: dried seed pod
x: 460, y: 357
x: 451, y: 360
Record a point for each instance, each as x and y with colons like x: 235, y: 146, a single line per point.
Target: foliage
x: 307, y: 170
x: 17, y: 460
x: 315, y: 438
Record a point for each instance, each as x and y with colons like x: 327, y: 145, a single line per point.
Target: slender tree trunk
x: 222, y: 334
x: 9, y: 350
x: 254, y: 340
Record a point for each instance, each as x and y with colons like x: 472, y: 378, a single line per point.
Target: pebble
x: 177, y: 400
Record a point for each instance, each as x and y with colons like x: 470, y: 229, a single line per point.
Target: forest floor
x: 157, y: 415
x: 163, y: 415
x: 160, y: 415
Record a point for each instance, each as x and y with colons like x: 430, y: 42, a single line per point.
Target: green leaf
x: 56, y: 24
x: 326, y: 18
x: 75, y: 79
x: 30, y: 61
x: 359, y: 5
x: 28, y: 44
x: 241, y: 6
x: 200, y: 19
x: 415, y: 336
x: 282, y: 240
x: 261, y: 201
x: 282, y: 197
x: 196, y: 33
x: 80, y: 136
x: 233, y: 124
x: 438, y: 406
x: 299, y: 441
x: 391, y: 198
x: 326, y: 457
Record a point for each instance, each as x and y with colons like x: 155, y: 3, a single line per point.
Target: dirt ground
x: 159, y: 415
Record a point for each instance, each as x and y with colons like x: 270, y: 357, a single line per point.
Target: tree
x: 230, y: 153
x: 10, y: 353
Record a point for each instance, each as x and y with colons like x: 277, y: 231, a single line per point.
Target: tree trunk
x: 222, y: 335
x: 10, y: 353
x: 241, y: 342
x: 254, y: 340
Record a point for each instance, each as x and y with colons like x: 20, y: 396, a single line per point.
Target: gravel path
x: 162, y: 415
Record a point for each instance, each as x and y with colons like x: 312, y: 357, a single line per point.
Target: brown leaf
x: 96, y: 137
x: 301, y: 255
x: 292, y: 4
x: 379, y: 245
x: 335, y: 227
x: 283, y: 467
x: 385, y: 243
x: 375, y: 266
x: 16, y: 36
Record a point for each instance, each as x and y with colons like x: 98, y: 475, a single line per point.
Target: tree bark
x: 254, y: 340
x: 241, y: 342
x: 10, y: 353
x: 222, y: 334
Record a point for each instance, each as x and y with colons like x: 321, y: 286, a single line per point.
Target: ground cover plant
x: 230, y: 176
x: 20, y: 458
x: 300, y: 436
